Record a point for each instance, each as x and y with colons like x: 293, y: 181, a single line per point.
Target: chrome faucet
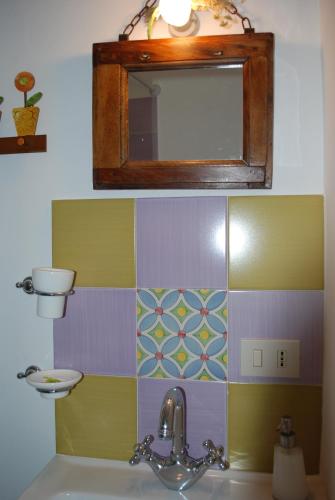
x: 172, y: 424
x: 178, y: 471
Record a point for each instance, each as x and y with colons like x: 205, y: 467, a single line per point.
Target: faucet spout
x: 172, y: 425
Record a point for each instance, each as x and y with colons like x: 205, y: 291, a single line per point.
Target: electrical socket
x: 282, y: 358
x: 274, y: 358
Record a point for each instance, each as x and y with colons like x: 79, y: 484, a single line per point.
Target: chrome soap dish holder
x: 51, y: 384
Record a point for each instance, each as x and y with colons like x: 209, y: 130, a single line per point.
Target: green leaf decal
x: 1, y: 99
x: 34, y: 99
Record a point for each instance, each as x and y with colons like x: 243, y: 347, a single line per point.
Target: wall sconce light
x: 52, y: 286
x: 181, y: 13
x: 175, y: 12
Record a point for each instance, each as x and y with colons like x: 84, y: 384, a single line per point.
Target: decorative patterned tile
x: 205, y: 415
x: 181, y: 242
x: 254, y: 413
x: 98, y: 418
x: 95, y: 238
x: 97, y: 334
x: 276, y: 243
x: 292, y: 315
x: 182, y: 334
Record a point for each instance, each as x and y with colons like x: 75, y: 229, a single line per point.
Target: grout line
x: 227, y: 450
x: 135, y: 333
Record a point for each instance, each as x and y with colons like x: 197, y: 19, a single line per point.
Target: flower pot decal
x: 26, y: 118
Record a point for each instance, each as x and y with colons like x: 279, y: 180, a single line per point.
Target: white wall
x: 328, y: 43
x: 53, y: 40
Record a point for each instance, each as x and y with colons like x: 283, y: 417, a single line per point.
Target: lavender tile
x: 181, y: 243
x: 206, y: 412
x: 277, y: 315
x: 98, y: 333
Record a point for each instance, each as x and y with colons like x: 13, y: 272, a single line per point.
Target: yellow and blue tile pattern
x: 182, y: 334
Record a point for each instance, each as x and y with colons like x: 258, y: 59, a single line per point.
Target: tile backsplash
x: 165, y: 291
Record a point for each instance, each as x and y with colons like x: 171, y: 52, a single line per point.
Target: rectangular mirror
x: 168, y: 113
x: 183, y: 113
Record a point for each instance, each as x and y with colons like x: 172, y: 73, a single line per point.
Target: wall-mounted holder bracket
x: 31, y: 369
x: 27, y: 286
x: 51, y: 384
x: 52, y: 287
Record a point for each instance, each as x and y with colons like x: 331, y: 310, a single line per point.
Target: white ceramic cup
x: 51, y: 280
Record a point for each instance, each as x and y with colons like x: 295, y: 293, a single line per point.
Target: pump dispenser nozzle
x: 287, y: 434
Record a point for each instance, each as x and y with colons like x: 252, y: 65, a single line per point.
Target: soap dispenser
x: 289, y: 479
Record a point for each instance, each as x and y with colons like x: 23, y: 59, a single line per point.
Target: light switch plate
x: 279, y: 358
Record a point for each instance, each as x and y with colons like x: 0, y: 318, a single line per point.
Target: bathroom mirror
x: 183, y: 113
x: 167, y: 113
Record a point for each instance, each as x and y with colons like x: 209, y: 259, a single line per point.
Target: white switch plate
x: 273, y: 351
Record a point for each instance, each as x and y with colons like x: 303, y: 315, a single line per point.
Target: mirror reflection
x: 186, y: 114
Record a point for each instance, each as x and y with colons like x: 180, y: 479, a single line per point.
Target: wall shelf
x: 23, y: 144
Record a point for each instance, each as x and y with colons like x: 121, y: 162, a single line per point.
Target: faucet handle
x: 148, y: 439
x: 215, y: 454
x: 142, y: 450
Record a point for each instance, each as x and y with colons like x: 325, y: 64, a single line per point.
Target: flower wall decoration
x: 182, y: 334
x: 26, y: 117
x: 24, y: 82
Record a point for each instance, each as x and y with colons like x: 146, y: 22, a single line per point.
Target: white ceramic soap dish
x: 51, y: 384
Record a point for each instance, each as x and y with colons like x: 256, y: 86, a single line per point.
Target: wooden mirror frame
x: 111, y: 63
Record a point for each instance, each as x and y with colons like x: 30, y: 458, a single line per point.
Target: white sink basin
x: 78, y: 478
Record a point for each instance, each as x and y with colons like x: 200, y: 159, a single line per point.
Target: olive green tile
x: 276, y: 243
x: 98, y: 419
x: 96, y: 239
x: 254, y: 412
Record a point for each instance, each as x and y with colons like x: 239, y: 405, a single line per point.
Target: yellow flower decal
x: 181, y: 356
x: 204, y: 334
x: 181, y: 311
x: 159, y: 333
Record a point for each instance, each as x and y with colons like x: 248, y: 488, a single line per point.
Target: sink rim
x: 63, y: 468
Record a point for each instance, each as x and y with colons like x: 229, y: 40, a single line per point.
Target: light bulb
x: 175, y: 12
